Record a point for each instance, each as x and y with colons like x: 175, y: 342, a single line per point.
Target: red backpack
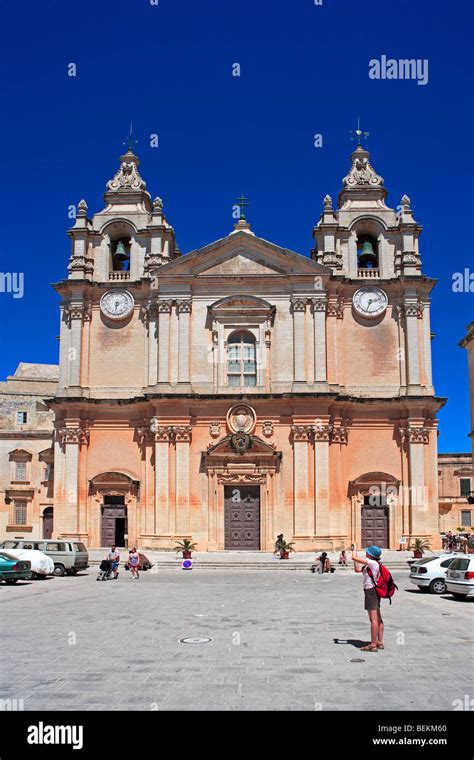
x: 385, y: 586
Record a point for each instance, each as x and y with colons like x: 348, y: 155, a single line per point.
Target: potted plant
x: 419, y: 547
x: 185, y: 546
x: 286, y: 548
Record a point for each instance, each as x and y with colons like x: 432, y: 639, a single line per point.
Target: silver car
x: 429, y: 574
x: 69, y: 557
x: 460, y: 577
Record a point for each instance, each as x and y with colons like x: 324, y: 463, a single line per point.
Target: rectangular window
x: 20, y: 470
x: 465, y: 486
x: 466, y: 520
x: 21, y: 418
x: 48, y: 472
x: 19, y: 512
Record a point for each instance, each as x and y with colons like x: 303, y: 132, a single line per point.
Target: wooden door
x: 242, y: 517
x: 48, y: 517
x: 374, y: 526
x: 114, y: 518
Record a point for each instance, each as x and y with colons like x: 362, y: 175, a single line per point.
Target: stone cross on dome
x: 242, y: 225
x: 130, y: 141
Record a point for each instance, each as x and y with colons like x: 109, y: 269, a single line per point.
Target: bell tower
x: 364, y: 238
x: 118, y: 251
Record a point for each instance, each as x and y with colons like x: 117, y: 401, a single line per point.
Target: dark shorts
x: 372, y: 599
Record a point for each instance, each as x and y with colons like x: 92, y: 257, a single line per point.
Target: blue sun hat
x: 374, y: 551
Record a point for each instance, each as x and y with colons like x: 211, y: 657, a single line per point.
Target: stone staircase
x: 232, y: 560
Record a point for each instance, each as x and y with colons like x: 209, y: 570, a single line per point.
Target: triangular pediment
x: 240, y: 263
x: 242, y: 254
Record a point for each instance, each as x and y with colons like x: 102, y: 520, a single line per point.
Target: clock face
x: 370, y: 301
x: 117, y: 304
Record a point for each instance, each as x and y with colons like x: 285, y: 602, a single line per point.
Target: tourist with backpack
x: 378, y: 584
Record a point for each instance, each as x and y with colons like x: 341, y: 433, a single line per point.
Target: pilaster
x: 318, y: 308
x: 183, y: 310
x: 164, y: 312
x: 298, y: 309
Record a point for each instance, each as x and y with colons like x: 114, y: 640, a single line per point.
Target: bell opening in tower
x: 367, y: 252
x: 121, y: 255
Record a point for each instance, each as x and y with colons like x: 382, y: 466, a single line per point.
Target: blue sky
x: 304, y: 70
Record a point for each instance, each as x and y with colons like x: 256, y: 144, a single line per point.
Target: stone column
x: 303, y: 519
x: 75, y: 315
x: 318, y: 308
x: 59, y: 484
x: 163, y: 436
x: 414, y: 439
x: 322, y: 436
x: 298, y: 308
x: 182, y: 435
x: 66, y: 513
x: 427, y: 344
x: 64, y: 339
x: 86, y: 339
x: 183, y: 310
x: 164, y: 311
x: 152, y: 322
x: 413, y: 312
x: 103, y: 265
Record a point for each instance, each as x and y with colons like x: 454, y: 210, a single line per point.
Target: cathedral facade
x: 244, y: 390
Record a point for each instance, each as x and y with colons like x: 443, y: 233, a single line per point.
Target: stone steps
x: 277, y: 566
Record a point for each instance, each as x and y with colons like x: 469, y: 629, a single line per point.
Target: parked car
x: 460, y: 577
x: 41, y: 565
x: 68, y: 556
x: 13, y: 569
x: 429, y: 574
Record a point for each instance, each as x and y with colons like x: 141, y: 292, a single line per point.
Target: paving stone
x: 286, y: 658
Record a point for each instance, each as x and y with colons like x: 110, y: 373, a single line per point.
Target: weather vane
x: 130, y: 142
x: 358, y: 134
x: 242, y: 202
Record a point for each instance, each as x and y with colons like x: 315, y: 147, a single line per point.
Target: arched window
x: 241, y: 360
x: 367, y: 252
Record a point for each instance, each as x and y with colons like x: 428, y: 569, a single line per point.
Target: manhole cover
x: 195, y: 640
x: 357, y: 659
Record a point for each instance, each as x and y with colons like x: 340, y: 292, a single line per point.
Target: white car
x: 41, y: 565
x: 460, y: 577
x: 429, y: 574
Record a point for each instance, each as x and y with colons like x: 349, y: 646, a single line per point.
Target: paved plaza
x: 72, y: 643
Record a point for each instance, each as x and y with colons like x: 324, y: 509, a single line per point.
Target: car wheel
x: 438, y: 586
x: 11, y: 580
x: 59, y: 570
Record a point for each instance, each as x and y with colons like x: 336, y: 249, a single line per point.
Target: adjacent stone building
x: 455, y: 491
x: 27, y: 452
x: 245, y: 390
